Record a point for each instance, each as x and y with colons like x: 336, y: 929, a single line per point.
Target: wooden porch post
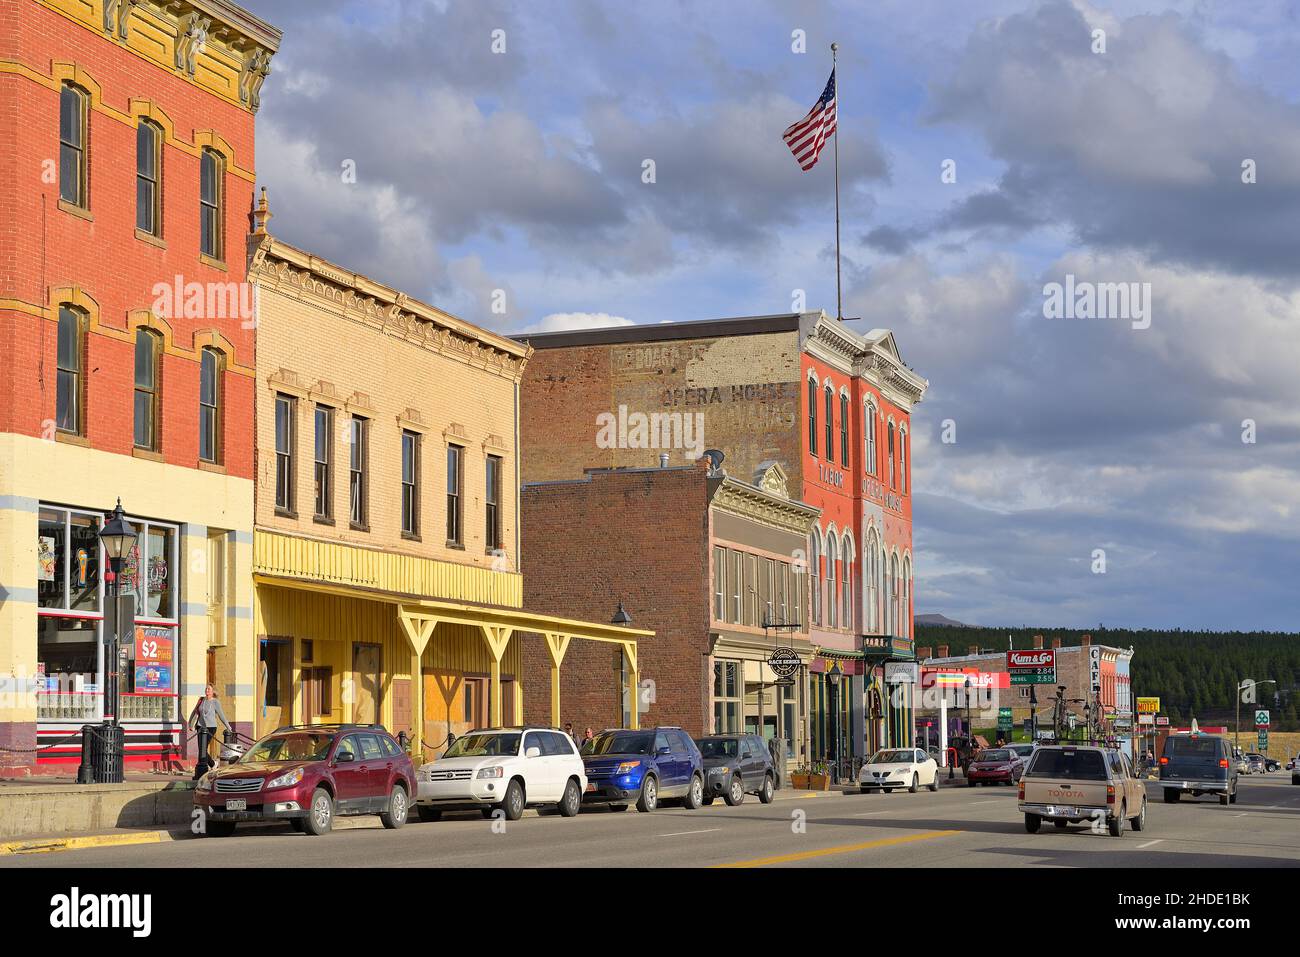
x: 634, y: 684
x: 557, y: 645
x: 418, y: 629
x: 497, y: 638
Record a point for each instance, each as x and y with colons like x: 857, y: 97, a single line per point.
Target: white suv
x: 506, y: 768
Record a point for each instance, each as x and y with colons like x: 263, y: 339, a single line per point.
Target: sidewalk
x: 55, y: 808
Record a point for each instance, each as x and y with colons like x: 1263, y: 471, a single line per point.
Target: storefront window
x: 726, y: 696
x: 83, y: 566
x: 51, y: 560
x: 67, y: 666
x: 160, y: 601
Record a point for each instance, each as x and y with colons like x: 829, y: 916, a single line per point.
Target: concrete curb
x: 53, y: 844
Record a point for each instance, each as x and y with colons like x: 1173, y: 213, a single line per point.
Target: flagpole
x: 839, y: 295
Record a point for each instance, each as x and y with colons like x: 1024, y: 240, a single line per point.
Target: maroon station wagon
x: 308, y: 774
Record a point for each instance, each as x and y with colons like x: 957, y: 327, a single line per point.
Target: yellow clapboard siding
x: 341, y: 564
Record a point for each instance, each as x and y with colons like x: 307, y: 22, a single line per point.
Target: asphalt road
x: 958, y: 826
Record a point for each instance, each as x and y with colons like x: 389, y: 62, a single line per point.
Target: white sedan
x: 891, y: 768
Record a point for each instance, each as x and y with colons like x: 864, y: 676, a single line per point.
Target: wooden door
x: 366, y: 698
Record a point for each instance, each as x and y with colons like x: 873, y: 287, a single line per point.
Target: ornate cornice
x: 214, y: 44
x: 278, y: 266
x: 746, y: 501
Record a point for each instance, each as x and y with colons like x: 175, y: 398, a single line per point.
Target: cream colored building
x: 385, y: 552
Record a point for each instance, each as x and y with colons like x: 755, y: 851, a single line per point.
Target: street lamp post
x: 1242, y: 686
x: 118, y: 537
x: 834, y: 677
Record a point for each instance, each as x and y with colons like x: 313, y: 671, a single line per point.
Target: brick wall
x: 640, y: 537
x: 43, y: 247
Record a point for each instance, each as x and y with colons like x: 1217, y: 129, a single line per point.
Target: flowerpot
x: 799, y: 782
x: 819, y: 782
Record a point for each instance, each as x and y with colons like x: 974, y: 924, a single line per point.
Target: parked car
x: 995, y: 766
x: 736, y: 765
x: 1024, y: 751
x: 645, y: 766
x: 1295, y: 770
x: 1198, y: 764
x: 1072, y: 784
x: 1256, y: 761
x: 504, y: 769
x: 892, y: 768
x: 307, y: 775
x: 1272, y: 764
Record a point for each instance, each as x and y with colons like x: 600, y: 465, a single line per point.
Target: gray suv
x: 1198, y: 764
x: 734, y: 765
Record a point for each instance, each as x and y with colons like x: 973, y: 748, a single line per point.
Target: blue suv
x: 644, y: 766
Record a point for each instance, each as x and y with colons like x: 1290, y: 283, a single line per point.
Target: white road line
x: 1149, y: 843
x: 994, y: 801
x: 865, y: 813
x: 1242, y: 814
x: 681, y: 833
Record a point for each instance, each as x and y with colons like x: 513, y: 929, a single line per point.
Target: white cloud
x: 568, y: 321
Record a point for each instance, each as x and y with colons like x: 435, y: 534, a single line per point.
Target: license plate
x: 590, y: 786
x: 237, y: 804
x: 1063, y: 811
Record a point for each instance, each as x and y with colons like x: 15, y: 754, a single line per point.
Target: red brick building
x: 126, y: 358
x: 702, y: 558
x: 831, y: 406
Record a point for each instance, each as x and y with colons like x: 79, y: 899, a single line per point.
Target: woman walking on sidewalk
x: 204, y: 720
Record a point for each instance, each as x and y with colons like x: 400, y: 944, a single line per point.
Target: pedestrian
x: 586, y: 737
x: 203, y: 720
x: 568, y: 729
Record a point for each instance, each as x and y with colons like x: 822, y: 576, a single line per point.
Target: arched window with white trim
x: 832, y: 596
x: 869, y: 429
x: 815, y: 567
x: 812, y: 416
x: 907, y: 597
x: 893, y: 595
x: 902, y: 459
x: 870, y: 576
x: 830, y: 424
x: 846, y: 589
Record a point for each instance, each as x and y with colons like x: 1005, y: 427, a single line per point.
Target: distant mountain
x: 941, y: 620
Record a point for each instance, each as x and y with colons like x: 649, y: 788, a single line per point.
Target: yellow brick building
x: 385, y: 546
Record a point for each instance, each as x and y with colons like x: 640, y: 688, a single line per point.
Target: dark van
x: 1198, y: 764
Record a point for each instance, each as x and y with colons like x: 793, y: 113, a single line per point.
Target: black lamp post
x: 834, y: 677
x: 118, y: 538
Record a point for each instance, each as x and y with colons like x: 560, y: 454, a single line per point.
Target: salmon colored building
x: 126, y: 365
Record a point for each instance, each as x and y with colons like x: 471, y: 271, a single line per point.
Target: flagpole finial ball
x: 835, y: 47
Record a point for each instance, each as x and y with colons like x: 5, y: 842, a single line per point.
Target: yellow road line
x: 841, y: 849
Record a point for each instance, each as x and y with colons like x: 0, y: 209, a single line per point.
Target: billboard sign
x: 1148, y: 705
x: 1036, y: 667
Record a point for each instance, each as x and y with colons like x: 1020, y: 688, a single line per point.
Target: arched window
x: 869, y: 429
x: 870, y: 574
x: 69, y: 414
x: 812, y: 416
x: 846, y: 589
x: 146, y: 389
x: 72, y: 146
x: 211, y: 365
x: 907, y: 597
x: 844, y: 429
x: 832, y: 597
x: 887, y: 582
x: 148, y: 178
x: 815, y: 565
x: 212, y: 168
x: 902, y: 460
x: 830, y: 425
x: 892, y: 481
x: 893, y: 596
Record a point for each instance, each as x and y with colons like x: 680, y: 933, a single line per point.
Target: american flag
x: 807, y: 137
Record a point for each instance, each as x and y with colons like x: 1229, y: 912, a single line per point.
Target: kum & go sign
x: 1032, y: 667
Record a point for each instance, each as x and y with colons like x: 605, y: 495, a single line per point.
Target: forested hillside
x: 1192, y: 672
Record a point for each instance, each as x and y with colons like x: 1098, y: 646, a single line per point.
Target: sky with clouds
x: 522, y: 171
